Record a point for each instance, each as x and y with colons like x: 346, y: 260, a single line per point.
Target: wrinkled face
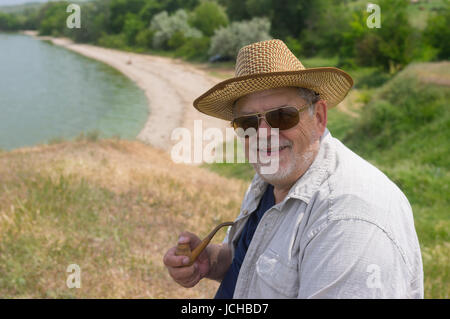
x: 298, y: 145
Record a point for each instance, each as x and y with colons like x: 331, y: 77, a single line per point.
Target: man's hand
x: 187, y: 276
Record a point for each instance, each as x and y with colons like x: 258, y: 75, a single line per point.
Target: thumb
x: 189, y: 238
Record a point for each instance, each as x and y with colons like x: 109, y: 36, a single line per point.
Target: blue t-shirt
x: 226, y: 289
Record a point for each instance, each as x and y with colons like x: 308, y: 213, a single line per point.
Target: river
x: 49, y: 93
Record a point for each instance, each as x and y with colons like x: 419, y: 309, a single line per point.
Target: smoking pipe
x: 185, y: 250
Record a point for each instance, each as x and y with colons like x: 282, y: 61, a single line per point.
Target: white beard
x: 295, y: 164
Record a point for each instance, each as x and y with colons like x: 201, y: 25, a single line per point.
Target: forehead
x: 267, y: 99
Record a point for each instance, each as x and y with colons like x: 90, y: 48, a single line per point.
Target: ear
x: 321, y: 116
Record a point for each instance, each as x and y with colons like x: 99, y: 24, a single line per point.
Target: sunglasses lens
x: 283, y: 118
x: 241, y: 124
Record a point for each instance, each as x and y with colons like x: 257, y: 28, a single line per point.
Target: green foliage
x: 208, y: 16
x: 150, y: 8
x: 194, y: 49
x: 53, y: 18
x: 144, y: 38
x: 165, y: 26
x: 320, y: 28
x: 8, y: 22
x: 294, y: 45
x: 117, y: 41
x: 288, y: 18
x: 94, y: 19
x: 132, y: 26
x: 325, y: 28
x: 118, y: 10
x: 227, y: 41
x: 389, y: 46
x: 437, y: 33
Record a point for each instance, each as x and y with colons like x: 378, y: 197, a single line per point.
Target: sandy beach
x: 170, y: 87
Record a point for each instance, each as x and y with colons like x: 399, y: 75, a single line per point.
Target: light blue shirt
x: 343, y: 231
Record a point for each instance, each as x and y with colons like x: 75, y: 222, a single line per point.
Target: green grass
x: 65, y: 206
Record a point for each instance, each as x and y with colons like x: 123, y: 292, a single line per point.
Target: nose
x: 263, y: 123
x: 264, y: 129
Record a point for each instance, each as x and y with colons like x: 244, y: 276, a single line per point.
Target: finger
x: 187, y: 237
x: 183, y: 274
x: 193, y: 279
x: 171, y: 260
x: 192, y: 282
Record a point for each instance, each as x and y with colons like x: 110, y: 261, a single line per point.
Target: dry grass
x: 112, y: 207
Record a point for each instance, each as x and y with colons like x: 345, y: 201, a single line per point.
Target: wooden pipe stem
x: 184, y: 249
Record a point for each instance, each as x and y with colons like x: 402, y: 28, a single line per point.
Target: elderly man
x: 326, y: 224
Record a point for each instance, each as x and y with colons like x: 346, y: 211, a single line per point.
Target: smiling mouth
x: 273, y: 150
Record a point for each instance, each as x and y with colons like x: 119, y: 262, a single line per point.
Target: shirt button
x: 245, y: 212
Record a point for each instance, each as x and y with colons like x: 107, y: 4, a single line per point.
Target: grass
x: 113, y: 207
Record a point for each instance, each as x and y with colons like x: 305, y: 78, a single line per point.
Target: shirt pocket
x: 280, y: 275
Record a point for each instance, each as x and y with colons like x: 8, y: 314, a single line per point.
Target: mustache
x: 268, y: 144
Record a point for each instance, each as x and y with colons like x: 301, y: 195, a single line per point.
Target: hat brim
x: 331, y: 83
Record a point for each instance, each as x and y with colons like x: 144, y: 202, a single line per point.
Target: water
x: 48, y: 92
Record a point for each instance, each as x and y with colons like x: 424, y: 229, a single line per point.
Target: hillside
x: 113, y: 207
x: 404, y: 130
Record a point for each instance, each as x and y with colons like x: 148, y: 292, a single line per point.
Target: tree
x: 208, y: 16
x: 389, y: 46
x: 8, y: 22
x: 437, y: 33
x: 227, y: 41
x: 53, y: 18
x: 165, y: 27
x: 287, y: 17
x: 131, y: 27
x: 118, y: 10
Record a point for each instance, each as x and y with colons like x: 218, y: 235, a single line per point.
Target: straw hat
x: 270, y: 64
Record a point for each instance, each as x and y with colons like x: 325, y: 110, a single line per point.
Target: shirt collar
x: 311, y: 180
x: 305, y: 186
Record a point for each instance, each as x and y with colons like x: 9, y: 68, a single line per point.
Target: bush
x: 165, y: 26
x: 8, y: 22
x: 294, y: 45
x: 131, y: 28
x: 390, y: 46
x: 401, y: 107
x: 324, y: 27
x: 144, y: 38
x: 117, y: 41
x: 93, y: 23
x: 53, y: 19
x: 226, y: 42
x: 437, y: 33
x: 176, y: 40
x: 208, y: 16
x: 194, y: 49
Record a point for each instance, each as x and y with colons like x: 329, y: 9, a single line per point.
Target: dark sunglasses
x: 282, y: 118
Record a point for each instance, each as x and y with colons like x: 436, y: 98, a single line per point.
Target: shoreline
x: 170, y: 87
